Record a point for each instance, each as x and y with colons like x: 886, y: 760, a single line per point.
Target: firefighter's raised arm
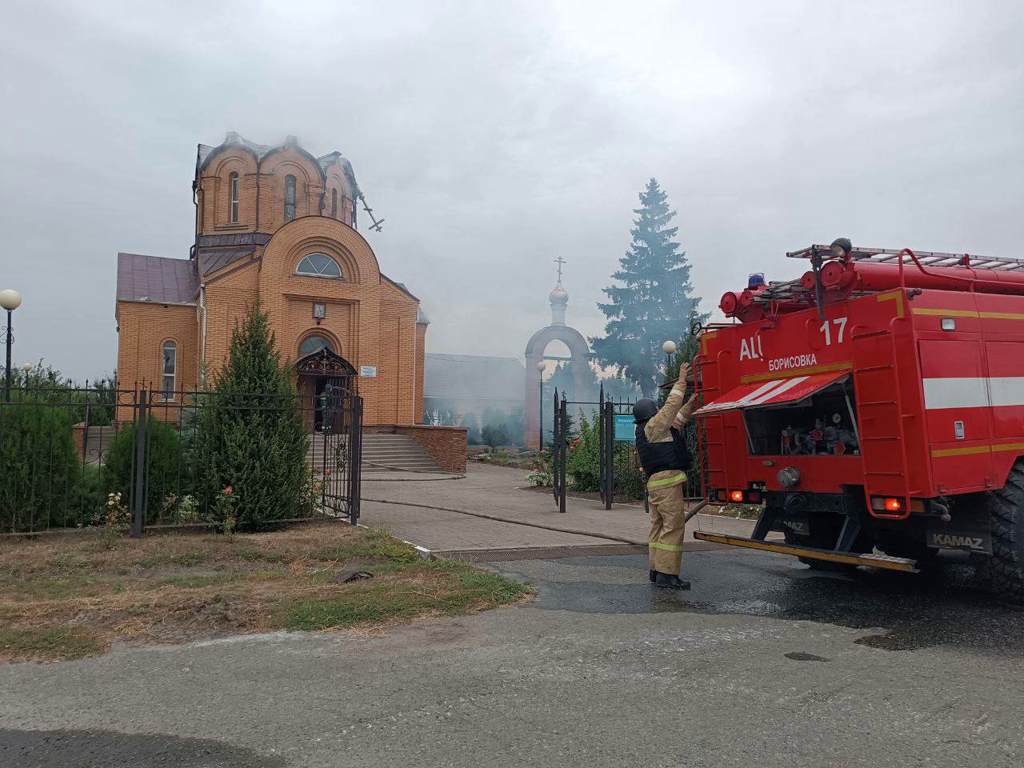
x: 675, y: 412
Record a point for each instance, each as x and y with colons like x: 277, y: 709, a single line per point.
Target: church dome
x: 559, y: 295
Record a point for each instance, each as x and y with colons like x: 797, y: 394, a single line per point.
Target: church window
x: 313, y: 344
x: 318, y: 265
x: 169, y: 369
x: 334, y: 203
x: 289, y: 198
x: 233, y: 196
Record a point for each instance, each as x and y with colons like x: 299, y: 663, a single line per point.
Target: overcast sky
x: 493, y: 137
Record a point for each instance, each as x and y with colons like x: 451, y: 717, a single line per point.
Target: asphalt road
x: 764, y: 663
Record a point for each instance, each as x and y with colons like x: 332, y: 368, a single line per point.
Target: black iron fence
x: 618, y: 472
x: 120, y: 458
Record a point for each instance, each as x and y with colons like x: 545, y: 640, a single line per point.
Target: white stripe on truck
x: 974, y: 392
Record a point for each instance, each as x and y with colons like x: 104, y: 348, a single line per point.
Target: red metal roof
x: 771, y: 393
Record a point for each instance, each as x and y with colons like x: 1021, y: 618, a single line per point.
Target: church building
x: 278, y: 225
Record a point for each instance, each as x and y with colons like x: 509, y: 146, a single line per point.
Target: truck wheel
x: 1006, y: 511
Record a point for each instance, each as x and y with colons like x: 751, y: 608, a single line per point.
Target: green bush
x: 583, y: 465
x: 38, y: 466
x: 249, y: 435
x: 165, y: 475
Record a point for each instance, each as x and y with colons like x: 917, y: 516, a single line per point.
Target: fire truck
x: 875, y: 408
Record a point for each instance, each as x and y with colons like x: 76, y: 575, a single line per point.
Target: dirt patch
x: 72, y: 596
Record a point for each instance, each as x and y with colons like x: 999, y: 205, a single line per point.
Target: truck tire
x: 1006, y: 511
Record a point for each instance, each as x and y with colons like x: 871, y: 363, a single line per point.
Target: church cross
x: 559, y: 261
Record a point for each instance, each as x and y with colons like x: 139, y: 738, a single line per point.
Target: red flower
x: 228, y: 490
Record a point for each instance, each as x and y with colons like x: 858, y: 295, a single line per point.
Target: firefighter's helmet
x: 643, y: 410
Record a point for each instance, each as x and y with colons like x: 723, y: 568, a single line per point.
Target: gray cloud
x: 495, y: 136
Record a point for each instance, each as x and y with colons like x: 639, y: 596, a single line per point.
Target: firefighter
x: 664, y: 457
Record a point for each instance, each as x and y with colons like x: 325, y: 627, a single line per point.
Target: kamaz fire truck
x: 875, y: 407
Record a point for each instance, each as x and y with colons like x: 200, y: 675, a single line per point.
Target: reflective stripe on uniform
x: 666, y: 547
x: 665, y: 482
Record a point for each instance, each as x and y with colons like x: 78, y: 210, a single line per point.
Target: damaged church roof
x: 233, y: 139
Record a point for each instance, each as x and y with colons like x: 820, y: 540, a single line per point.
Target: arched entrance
x: 324, y: 378
x: 579, y: 367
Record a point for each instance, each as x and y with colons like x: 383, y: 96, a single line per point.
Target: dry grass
x: 74, y: 595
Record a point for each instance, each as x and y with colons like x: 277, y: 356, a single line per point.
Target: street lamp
x: 9, y: 300
x: 669, y: 348
x: 541, y: 365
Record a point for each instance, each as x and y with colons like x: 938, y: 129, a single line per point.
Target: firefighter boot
x: 670, y: 581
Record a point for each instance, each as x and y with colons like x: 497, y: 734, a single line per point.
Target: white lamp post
x: 669, y: 348
x: 541, y: 365
x: 9, y: 300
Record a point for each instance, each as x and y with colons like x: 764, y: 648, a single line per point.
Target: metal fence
x: 605, y: 413
x: 75, y: 458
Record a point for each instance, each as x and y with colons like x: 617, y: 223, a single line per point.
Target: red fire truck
x: 875, y: 407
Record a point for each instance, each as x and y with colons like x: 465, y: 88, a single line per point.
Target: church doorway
x: 325, y: 378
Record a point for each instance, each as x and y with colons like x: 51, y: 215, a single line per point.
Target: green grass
x: 443, y: 587
x: 59, y: 643
x: 375, y: 545
x: 72, y: 596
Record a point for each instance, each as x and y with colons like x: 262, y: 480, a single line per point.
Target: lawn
x: 74, y: 595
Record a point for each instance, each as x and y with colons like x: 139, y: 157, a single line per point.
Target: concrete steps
x: 382, y: 452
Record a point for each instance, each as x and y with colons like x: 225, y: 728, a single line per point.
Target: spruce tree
x: 249, y: 434
x: 653, y: 301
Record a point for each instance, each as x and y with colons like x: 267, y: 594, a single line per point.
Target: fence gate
x: 338, y: 461
x: 559, y: 449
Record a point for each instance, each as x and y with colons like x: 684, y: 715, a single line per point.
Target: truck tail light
x: 737, y: 496
x: 895, y: 505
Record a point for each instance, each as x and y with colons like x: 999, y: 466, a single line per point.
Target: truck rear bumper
x: 850, y: 558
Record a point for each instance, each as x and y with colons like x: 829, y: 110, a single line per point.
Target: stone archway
x: 579, y: 368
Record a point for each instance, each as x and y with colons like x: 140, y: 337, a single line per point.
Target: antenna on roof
x: 369, y: 212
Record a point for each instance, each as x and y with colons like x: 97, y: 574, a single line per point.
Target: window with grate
x: 318, y: 265
x: 334, y: 203
x: 169, y: 370
x: 289, y: 198
x: 233, y: 196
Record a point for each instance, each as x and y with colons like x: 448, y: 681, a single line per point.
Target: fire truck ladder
x: 927, y: 258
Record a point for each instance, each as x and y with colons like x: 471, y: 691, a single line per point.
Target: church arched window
x: 168, y: 369
x: 233, y: 196
x: 334, y: 203
x: 318, y: 265
x: 314, y: 343
x: 289, y: 198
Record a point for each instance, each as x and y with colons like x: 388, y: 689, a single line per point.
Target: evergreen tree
x: 653, y: 302
x: 249, y: 433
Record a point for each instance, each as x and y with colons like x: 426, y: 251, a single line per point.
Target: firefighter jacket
x: 659, y: 444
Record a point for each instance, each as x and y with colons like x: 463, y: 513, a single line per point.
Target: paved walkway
x: 764, y: 663
x: 490, y: 511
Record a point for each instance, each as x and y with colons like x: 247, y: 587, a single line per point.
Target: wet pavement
x: 903, y: 611
x: 763, y: 663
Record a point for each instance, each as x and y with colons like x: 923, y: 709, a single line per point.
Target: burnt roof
x: 154, y: 278
x: 260, y: 151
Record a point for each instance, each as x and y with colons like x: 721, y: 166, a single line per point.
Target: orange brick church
x: 277, y: 224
